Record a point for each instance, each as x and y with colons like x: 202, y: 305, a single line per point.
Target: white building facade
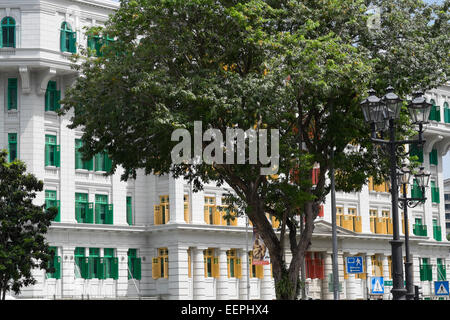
x: 154, y: 237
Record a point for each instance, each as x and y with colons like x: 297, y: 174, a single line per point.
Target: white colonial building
x: 154, y: 237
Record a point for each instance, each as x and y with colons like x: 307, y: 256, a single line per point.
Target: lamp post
x: 422, y: 178
x: 381, y: 114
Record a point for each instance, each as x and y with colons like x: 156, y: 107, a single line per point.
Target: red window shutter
x: 315, y: 175
x: 308, y: 265
x: 321, y: 211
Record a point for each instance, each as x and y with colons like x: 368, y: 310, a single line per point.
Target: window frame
x: 8, y: 28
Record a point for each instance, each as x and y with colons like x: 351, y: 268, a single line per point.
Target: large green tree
x: 23, y: 226
x: 301, y: 67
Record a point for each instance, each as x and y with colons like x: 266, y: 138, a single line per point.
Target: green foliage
x: 23, y: 226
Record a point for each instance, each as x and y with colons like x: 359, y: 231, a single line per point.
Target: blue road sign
x: 441, y: 288
x: 377, y: 285
x: 355, y: 265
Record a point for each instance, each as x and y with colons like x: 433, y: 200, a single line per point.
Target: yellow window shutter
x: 228, y: 267
x: 216, y: 216
x: 215, y: 268
x: 260, y: 271
x: 238, y: 268
x: 156, y: 214
x: 189, y: 263
x: 371, y: 188
x: 206, y: 213
x: 166, y: 267
x: 156, y: 268
x: 167, y: 216
x: 186, y: 213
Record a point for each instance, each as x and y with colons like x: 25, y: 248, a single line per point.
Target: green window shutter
x: 433, y: 157
x: 72, y: 42
x: 63, y: 41
x: 108, y: 163
x: 416, y: 151
x: 101, y: 264
x: 12, y: 94
x: 110, y: 214
x: 137, y: 268
x: 89, y: 165
x: 115, y: 268
x: 57, y: 266
x: 12, y: 146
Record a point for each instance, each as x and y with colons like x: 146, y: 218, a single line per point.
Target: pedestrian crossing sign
x: 441, y: 288
x: 377, y: 285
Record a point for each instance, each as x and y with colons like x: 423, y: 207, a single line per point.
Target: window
x: 52, y: 97
x: 419, y: 229
x: 94, y: 264
x: 209, y: 211
x: 256, y: 270
x: 160, y: 264
x: 425, y: 270
x: 383, y: 187
x: 97, y: 44
x: 211, y: 264
x: 8, y: 34
x: 68, y: 38
x: 129, y: 211
x: 12, y: 146
x: 12, y: 94
x: 55, y: 264
x: 84, y: 211
x: 314, y: 265
x: 233, y: 264
x: 79, y: 162
x: 109, y: 264
x: 377, y: 266
x: 52, y: 152
x: 435, y: 112
x: 81, y: 264
x: 103, y: 210
x: 161, y: 213
x: 102, y: 162
x: 50, y: 202
x: 134, y: 265
x: 416, y: 151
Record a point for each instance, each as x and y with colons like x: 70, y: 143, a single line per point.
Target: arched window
x: 68, y: 38
x: 435, y: 114
x: 8, y: 34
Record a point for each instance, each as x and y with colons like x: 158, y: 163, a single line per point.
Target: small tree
x: 23, y: 226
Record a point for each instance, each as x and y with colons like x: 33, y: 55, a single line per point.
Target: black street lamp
x: 381, y: 115
x: 422, y: 178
